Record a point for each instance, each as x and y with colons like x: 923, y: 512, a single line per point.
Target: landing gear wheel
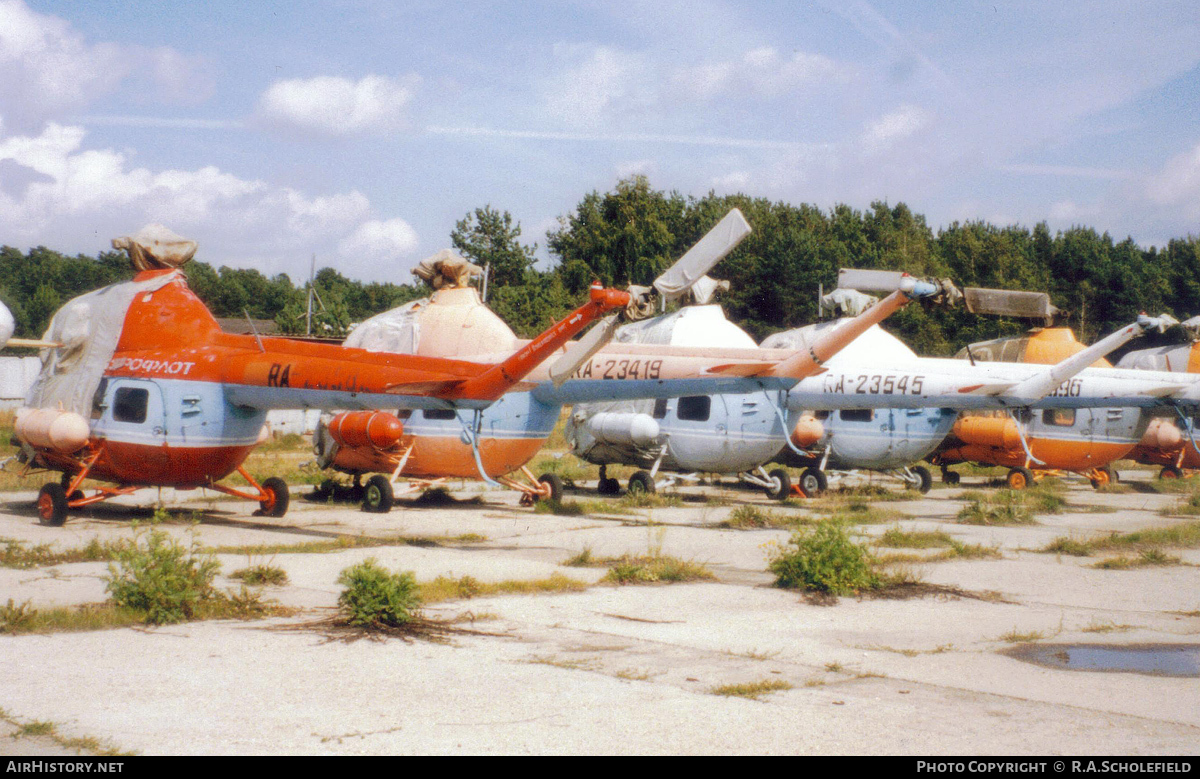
x: 1020, y: 478
x: 608, y: 487
x: 641, y: 482
x: 782, y: 482
x: 1103, y: 477
x: 1170, y: 472
x: 275, y: 504
x: 556, y: 486
x: 813, y: 482
x: 950, y: 477
x: 377, y: 495
x: 52, y: 504
x: 924, y: 479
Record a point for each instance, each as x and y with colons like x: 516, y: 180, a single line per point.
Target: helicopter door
x: 135, y: 413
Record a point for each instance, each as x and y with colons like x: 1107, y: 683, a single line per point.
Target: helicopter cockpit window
x: 857, y: 414
x: 439, y: 413
x: 129, y: 404
x: 660, y: 408
x: 1062, y: 417
x: 694, y: 409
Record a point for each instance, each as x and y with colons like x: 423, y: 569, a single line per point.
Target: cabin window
x: 1062, y: 417
x: 694, y: 409
x: 660, y: 408
x: 857, y: 414
x: 822, y: 415
x: 439, y: 413
x: 129, y: 404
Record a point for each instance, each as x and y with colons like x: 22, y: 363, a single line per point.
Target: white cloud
x: 760, y: 73
x: 49, y: 69
x: 647, y: 167
x: 379, y: 241
x: 74, y: 199
x: 895, y: 126
x: 608, y: 81
x: 334, y: 106
x: 1178, y: 183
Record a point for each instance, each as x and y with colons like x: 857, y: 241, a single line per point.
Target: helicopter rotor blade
x: 706, y: 253
x: 582, y: 350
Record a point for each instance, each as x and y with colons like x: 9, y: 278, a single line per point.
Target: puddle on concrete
x: 1153, y: 659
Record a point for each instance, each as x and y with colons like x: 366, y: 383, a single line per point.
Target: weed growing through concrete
x: 16, y: 554
x: 1015, y: 636
x: 445, y: 588
x: 1183, y: 536
x: 825, y: 559
x: 752, y: 690
x: 376, y: 598
x: 1187, y: 506
x: 46, y: 729
x: 1106, y: 627
x: 162, y: 577
x: 261, y: 574
x: 749, y: 517
x: 1147, y: 558
x: 1004, y: 507
x: 649, y: 569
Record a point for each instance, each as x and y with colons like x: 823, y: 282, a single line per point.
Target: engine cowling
x: 624, y: 429
x: 44, y: 428
x: 375, y: 429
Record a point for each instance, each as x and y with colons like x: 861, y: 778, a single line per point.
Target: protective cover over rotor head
x: 447, y: 269
x: 155, y: 247
x: 7, y: 325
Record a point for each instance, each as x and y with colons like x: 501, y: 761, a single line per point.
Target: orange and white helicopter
x: 1033, y: 444
x: 140, y: 387
x: 1170, y: 442
x: 423, y: 447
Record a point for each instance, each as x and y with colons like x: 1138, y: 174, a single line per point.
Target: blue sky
x: 361, y: 130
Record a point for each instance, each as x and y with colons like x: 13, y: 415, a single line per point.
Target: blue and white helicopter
x: 847, y: 422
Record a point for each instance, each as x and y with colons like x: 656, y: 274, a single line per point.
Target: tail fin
x: 494, y: 382
x: 1041, y: 385
x: 803, y: 364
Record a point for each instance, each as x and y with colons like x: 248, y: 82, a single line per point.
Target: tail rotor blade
x: 582, y: 350
x: 700, y: 259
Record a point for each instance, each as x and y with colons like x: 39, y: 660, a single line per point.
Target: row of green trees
x: 631, y: 234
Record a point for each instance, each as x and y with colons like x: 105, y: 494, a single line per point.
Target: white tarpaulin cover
x: 88, y: 329
x: 7, y: 325
x: 447, y: 269
x: 155, y: 247
x: 397, y: 330
x: 707, y: 252
x: 1163, y: 358
x: 847, y: 302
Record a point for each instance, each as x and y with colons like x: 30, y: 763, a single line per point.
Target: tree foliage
x: 629, y: 235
